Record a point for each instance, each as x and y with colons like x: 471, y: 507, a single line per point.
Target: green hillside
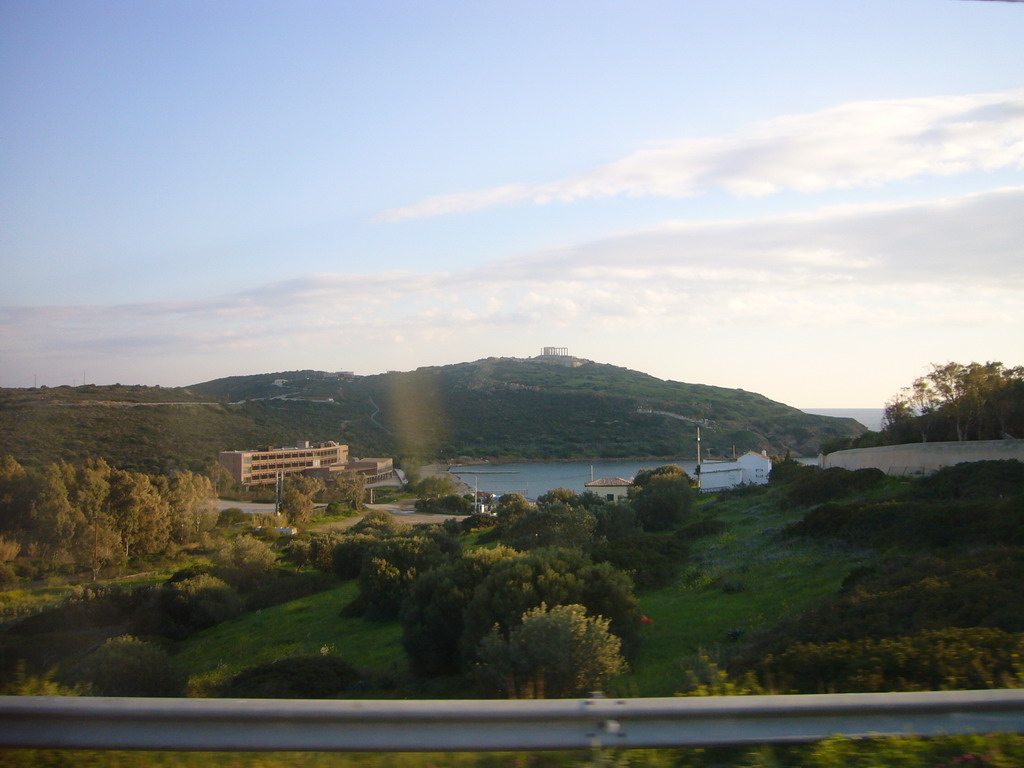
x: 498, y: 407
x: 511, y: 408
x: 181, y: 430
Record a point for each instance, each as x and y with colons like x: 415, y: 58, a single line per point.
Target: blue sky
x: 810, y: 200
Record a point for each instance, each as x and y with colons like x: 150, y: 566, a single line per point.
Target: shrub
x: 348, y: 552
x: 554, y: 577
x: 299, y: 677
x: 285, y: 586
x: 946, y: 659
x: 788, y: 470
x: 321, y: 550
x: 452, y: 504
x: 299, y: 551
x: 661, y: 498
x: 916, y: 524
x: 246, y: 560
x: 904, y: 598
x: 614, y: 521
x: 997, y: 750
x: 973, y: 480
x: 432, y: 614
x: 552, y: 525
x: 183, y: 607
x: 9, y: 549
x: 821, y: 485
x: 231, y: 516
x: 380, y: 524
x: 702, y: 528
x: 127, y: 666
x: 651, y: 560
x: 551, y: 654
x: 91, y: 605
x: 196, y: 569
x: 23, y: 684
x: 389, y: 569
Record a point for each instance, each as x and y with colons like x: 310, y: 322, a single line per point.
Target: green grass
x: 737, y: 582
x: 18, y: 603
x: 733, y: 584
x: 302, y: 627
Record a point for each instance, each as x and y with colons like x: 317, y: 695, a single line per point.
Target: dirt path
x: 401, y: 510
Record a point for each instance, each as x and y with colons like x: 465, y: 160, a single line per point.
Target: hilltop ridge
x: 497, y: 407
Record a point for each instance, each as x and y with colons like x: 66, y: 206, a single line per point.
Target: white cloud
x: 904, y: 273
x: 861, y: 144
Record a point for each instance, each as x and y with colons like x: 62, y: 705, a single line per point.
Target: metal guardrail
x: 486, y: 725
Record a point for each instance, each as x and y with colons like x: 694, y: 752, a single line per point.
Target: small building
x: 609, y: 488
x: 751, y: 468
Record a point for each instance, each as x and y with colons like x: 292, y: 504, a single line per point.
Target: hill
x: 498, y: 407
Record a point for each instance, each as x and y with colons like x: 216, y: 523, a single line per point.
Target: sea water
x: 532, y: 479
x: 869, y: 417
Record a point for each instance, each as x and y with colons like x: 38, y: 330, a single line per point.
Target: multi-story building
x: 372, y: 470
x: 262, y: 466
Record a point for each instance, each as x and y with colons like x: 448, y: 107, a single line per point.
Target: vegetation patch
x: 299, y: 677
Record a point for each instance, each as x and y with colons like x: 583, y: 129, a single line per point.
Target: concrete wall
x: 921, y: 458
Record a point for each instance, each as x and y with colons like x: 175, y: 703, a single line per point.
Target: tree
x: 558, y: 496
x: 190, y: 506
x: 220, y: 478
x: 15, y: 495
x: 950, y: 384
x: 99, y: 543
x: 510, y: 507
x: 554, y: 524
x: 434, y: 487
x: 140, y: 515
x: 552, y: 653
x: 898, y: 412
x: 662, y: 497
x: 452, y: 504
x: 432, y: 614
x: 347, y: 553
x: 551, y: 576
x: 390, y: 567
x: 56, y: 520
x: 299, y: 492
x: 350, y: 487
x: 972, y: 401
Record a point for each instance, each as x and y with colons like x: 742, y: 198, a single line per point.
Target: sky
x: 811, y: 200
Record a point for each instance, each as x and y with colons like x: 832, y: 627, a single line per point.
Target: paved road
x: 249, y: 507
x: 400, y: 510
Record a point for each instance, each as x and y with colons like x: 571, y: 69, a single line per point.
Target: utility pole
x: 278, y: 488
x: 698, y: 458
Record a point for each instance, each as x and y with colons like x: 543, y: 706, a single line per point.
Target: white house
x: 609, y: 488
x: 749, y: 469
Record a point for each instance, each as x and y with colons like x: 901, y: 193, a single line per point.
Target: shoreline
x: 448, y: 469
x: 593, y: 459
